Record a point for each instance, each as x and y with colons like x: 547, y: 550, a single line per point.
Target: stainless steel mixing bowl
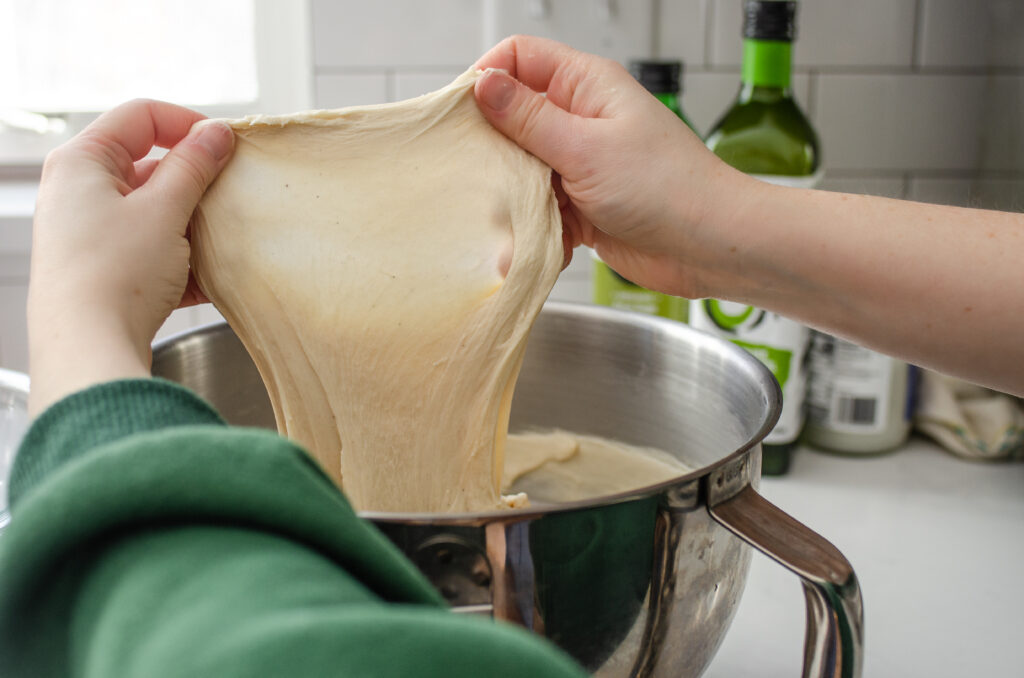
x: 13, y: 424
x: 642, y: 583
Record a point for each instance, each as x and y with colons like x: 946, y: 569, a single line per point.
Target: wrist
x: 76, y: 349
x: 78, y: 304
x: 723, y: 232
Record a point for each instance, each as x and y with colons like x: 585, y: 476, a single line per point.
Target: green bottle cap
x: 769, y: 20
x: 658, y: 77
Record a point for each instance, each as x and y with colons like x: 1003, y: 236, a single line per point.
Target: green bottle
x: 765, y: 134
x: 662, y: 79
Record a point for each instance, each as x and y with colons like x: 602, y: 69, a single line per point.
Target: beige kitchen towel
x: 968, y: 420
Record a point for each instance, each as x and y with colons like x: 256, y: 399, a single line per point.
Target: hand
x: 110, y: 249
x: 632, y: 180
x: 663, y: 211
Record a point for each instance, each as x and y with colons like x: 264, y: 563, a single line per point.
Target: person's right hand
x: 632, y: 181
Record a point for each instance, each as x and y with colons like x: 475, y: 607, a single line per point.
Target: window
x: 64, y: 61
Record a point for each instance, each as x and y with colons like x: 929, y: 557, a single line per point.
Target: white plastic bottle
x: 859, y: 401
x: 782, y: 345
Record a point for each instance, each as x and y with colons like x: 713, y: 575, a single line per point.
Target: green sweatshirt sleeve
x: 149, y: 539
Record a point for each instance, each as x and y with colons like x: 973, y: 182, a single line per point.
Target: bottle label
x: 851, y: 387
x: 778, y: 342
x: 611, y: 289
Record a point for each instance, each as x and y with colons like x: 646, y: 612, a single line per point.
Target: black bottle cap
x: 659, y: 77
x: 769, y: 20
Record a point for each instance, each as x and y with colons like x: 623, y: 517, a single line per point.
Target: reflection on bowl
x: 13, y: 424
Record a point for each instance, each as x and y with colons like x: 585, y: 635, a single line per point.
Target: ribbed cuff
x: 98, y: 415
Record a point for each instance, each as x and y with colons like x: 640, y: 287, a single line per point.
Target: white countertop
x: 938, y: 546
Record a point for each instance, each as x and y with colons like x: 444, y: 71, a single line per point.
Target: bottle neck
x: 766, y: 65
x: 670, y: 99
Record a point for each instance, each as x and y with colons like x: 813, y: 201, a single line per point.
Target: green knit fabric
x: 149, y: 539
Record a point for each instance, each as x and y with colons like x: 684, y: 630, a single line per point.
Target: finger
x: 119, y: 137
x: 547, y: 66
x: 139, y: 125
x: 559, y: 189
x: 567, y: 248
x: 143, y: 171
x: 530, y: 60
x: 570, y: 239
x: 184, y: 173
x: 528, y: 118
x: 573, y: 227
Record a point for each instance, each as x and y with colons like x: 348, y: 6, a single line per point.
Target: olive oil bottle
x: 662, y: 79
x: 765, y: 134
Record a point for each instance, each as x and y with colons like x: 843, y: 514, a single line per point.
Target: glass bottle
x: 765, y: 134
x: 662, y: 79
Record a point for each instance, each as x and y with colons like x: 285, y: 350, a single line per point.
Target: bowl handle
x: 834, y: 643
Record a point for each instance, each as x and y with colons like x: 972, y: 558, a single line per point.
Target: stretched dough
x: 358, y: 254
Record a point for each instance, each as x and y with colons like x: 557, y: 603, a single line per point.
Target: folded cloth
x: 968, y: 420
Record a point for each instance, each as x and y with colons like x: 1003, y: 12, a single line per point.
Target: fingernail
x: 497, y: 88
x: 217, y: 138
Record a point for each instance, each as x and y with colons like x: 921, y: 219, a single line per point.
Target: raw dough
x: 557, y: 466
x: 527, y: 452
x: 357, y: 253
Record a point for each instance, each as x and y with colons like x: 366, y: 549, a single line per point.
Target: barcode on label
x: 856, y: 410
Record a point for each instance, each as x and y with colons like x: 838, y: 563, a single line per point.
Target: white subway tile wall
x: 385, y: 34
x: 978, y: 34
x: 615, y: 29
x: 408, y: 85
x: 680, y: 30
x: 830, y: 33
x: 337, y: 90
x: 918, y: 99
x: 861, y: 127
x: 16, y: 200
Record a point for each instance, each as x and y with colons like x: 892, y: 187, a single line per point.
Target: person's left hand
x: 110, y: 249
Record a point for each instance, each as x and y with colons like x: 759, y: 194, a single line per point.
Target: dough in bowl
x: 359, y: 254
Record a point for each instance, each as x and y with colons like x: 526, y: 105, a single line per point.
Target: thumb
x: 183, y: 175
x: 526, y: 117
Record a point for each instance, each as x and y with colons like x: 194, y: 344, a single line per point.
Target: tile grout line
x: 655, y: 34
x: 915, y: 36
x: 709, y: 31
x: 812, y: 95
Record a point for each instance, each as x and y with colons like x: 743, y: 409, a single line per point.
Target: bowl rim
x: 12, y: 380
x: 658, y: 325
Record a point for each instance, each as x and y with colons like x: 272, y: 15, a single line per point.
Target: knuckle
x: 93, y: 145
x: 194, y: 173
x: 139, y: 102
x: 613, y: 66
x: 55, y: 159
x: 531, y: 118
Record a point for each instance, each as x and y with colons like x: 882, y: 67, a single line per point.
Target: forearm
x: 935, y: 285
x: 149, y: 539
x: 72, y: 347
